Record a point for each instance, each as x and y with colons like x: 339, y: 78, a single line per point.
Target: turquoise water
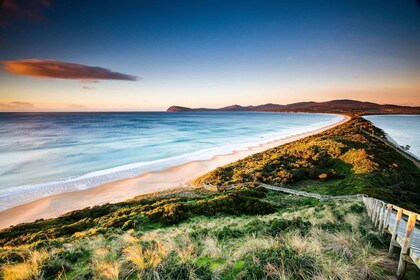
x: 48, y: 153
x: 404, y: 129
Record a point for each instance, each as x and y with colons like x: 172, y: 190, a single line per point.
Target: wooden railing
x: 314, y: 195
x: 401, y: 224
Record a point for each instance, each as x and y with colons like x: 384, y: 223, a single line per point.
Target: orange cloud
x: 48, y: 68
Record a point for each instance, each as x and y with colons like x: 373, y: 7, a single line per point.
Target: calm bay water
x: 404, y: 129
x: 48, y: 153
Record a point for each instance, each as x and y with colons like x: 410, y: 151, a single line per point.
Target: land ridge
x: 342, y: 106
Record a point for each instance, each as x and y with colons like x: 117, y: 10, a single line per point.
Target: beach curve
x: 173, y: 177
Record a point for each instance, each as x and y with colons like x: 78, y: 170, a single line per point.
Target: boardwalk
x: 389, y: 218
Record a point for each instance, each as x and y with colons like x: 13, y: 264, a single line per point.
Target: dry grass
x: 30, y: 269
x: 211, y: 248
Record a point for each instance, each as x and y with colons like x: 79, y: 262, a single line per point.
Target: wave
x: 14, y: 196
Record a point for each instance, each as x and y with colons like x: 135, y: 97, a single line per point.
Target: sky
x: 149, y: 55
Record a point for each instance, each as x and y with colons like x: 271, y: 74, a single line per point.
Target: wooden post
x: 385, y: 225
x: 369, y: 204
x: 374, y: 211
x: 381, y: 216
x: 372, y: 204
x: 378, y: 215
x: 406, y: 245
x: 395, y: 230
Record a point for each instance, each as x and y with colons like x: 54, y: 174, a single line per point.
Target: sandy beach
x: 121, y: 190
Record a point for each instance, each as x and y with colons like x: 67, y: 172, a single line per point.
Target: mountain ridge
x: 333, y: 106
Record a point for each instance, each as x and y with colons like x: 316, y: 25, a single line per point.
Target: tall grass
x: 325, y: 241
x: 29, y: 269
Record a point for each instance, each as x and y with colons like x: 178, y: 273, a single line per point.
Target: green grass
x: 305, y: 240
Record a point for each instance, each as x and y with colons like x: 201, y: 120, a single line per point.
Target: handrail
x: 402, y: 236
x: 314, y: 195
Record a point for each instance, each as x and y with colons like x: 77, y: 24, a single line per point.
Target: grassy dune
x: 244, y: 233
x: 343, y: 160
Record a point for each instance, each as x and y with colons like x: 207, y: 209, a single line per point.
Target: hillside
x: 334, y: 106
x: 342, y: 160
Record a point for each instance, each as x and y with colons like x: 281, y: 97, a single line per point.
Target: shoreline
x: 173, y: 177
x: 394, y: 142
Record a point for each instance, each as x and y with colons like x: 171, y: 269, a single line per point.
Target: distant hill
x: 334, y: 106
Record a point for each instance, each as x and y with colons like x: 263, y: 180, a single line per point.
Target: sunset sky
x: 148, y: 55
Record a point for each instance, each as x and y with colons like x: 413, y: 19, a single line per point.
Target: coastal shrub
x: 54, y: 266
x: 360, y: 160
x: 335, y: 227
x: 174, y: 268
x: 355, y: 208
x: 279, y: 225
x: 75, y: 254
x: 227, y: 233
x: 170, y: 213
x: 273, y: 262
x: 378, y: 240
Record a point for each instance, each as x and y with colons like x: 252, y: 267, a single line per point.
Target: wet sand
x: 182, y: 175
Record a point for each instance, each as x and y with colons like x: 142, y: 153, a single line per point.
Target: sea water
x: 42, y: 154
x: 403, y: 129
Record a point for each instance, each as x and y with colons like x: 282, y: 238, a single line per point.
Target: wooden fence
x: 314, y: 195
x: 401, y: 224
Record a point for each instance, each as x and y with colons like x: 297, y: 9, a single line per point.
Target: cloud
x: 16, y: 106
x: 289, y: 58
x: 48, y: 68
x: 12, y: 11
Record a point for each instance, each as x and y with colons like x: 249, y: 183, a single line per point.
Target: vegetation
x: 287, y: 238
x: 343, y: 160
x: 243, y: 233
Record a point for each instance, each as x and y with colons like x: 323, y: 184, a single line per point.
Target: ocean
x: 403, y: 129
x: 42, y: 154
